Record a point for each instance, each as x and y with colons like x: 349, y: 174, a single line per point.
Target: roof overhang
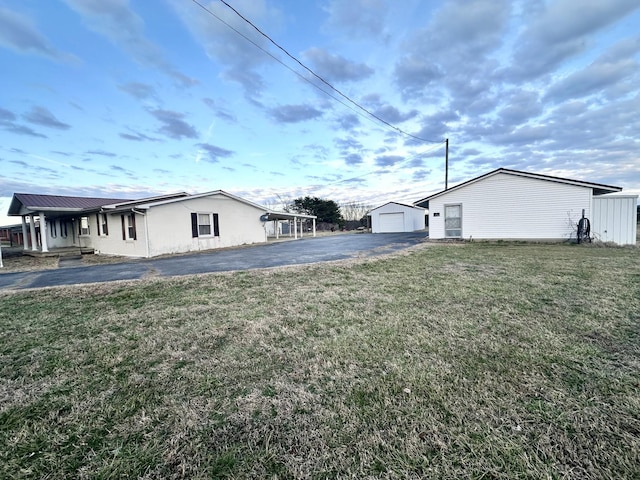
x: 598, y: 188
x: 271, y: 215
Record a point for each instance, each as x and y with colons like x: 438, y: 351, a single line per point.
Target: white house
x: 397, y: 217
x: 514, y: 205
x: 143, y: 228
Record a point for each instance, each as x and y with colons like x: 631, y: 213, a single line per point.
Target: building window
x: 129, y: 226
x: 204, y: 225
x: 84, y: 226
x: 103, y: 226
x: 54, y: 230
x: 63, y: 228
x: 453, y: 221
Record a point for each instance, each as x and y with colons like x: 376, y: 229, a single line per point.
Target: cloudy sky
x: 129, y: 98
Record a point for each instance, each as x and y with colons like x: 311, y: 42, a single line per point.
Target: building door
x: 453, y: 221
x: 391, y: 222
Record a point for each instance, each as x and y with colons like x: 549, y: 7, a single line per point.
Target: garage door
x: 391, y: 222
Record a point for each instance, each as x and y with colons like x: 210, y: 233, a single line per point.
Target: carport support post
x: 43, y: 232
x: 295, y: 228
x: 32, y: 229
x: 25, y: 236
x: 314, y: 226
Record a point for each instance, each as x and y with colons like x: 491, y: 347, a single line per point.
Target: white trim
x: 537, y: 176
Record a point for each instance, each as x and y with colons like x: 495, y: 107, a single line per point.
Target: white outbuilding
x: 396, y: 217
x: 513, y: 205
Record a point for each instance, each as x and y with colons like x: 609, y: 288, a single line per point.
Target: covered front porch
x: 54, y: 225
x: 51, y: 233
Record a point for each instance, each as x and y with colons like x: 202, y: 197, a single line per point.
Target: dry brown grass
x: 448, y: 361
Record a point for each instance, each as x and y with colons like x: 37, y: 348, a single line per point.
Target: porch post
x: 276, y: 224
x: 32, y: 230
x: 295, y: 228
x: 25, y: 237
x: 43, y: 232
x: 314, y: 226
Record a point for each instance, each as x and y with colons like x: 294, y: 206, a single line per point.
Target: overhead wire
x: 369, y: 114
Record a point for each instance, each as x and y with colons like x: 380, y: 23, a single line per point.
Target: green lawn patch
x: 449, y: 361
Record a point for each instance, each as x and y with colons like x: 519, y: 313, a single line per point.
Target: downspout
x: 146, y: 229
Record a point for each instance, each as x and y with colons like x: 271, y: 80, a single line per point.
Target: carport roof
x: 271, y: 215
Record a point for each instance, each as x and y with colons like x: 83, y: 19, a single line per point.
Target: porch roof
x: 27, y: 203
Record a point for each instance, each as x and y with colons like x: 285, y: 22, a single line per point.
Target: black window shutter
x: 216, y: 226
x: 124, y: 233
x: 133, y: 224
x: 106, y: 224
x: 98, y: 223
x: 194, y: 225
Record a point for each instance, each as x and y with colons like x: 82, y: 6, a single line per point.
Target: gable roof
x: 147, y: 203
x: 22, y: 203
x: 598, y: 188
x: 395, y: 203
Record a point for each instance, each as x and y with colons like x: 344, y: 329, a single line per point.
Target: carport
x: 295, y: 220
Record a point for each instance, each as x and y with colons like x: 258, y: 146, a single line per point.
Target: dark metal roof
x: 61, y: 203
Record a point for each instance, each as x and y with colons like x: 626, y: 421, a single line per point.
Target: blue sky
x: 131, y: 98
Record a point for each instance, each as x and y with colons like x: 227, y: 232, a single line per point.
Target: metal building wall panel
x: 614, y: 219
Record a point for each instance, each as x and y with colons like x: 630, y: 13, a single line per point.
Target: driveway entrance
x: 300, y: 252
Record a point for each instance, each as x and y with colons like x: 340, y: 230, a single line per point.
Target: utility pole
x: 446, y: 164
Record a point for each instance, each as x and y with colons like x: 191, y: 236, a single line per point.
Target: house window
x: 54, y: 230
x: 84, y: 226
x: 63, y: 228
x: 453, y: 221
x: 103, y: 226
x: 129, y: 226
x: 204, y: 225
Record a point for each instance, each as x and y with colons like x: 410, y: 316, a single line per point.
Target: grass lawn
x: 450, y: 361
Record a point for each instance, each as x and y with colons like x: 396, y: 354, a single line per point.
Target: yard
x: 475, y: 360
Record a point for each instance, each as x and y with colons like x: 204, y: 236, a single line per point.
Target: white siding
x: 413, y: 218
x: 614, y: 219
x: 59, y: 240
x: 113, y: 244
x: 170, y: 225
x: 505, y: 206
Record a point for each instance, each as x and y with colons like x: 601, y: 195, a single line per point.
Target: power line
x: 346, y: 97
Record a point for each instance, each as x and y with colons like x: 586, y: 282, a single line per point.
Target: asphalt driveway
x: 297, y: 252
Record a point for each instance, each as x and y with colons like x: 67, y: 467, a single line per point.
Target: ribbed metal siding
x: 614, y: 219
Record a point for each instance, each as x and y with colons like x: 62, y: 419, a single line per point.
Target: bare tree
x: 354, y: 210
x: 279, y: 203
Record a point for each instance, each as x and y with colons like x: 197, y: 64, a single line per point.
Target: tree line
x: 329, y: 213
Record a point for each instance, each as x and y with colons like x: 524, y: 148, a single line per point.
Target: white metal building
x: 513, y: 205
x: 397, y: 217
x: 614, y: 219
